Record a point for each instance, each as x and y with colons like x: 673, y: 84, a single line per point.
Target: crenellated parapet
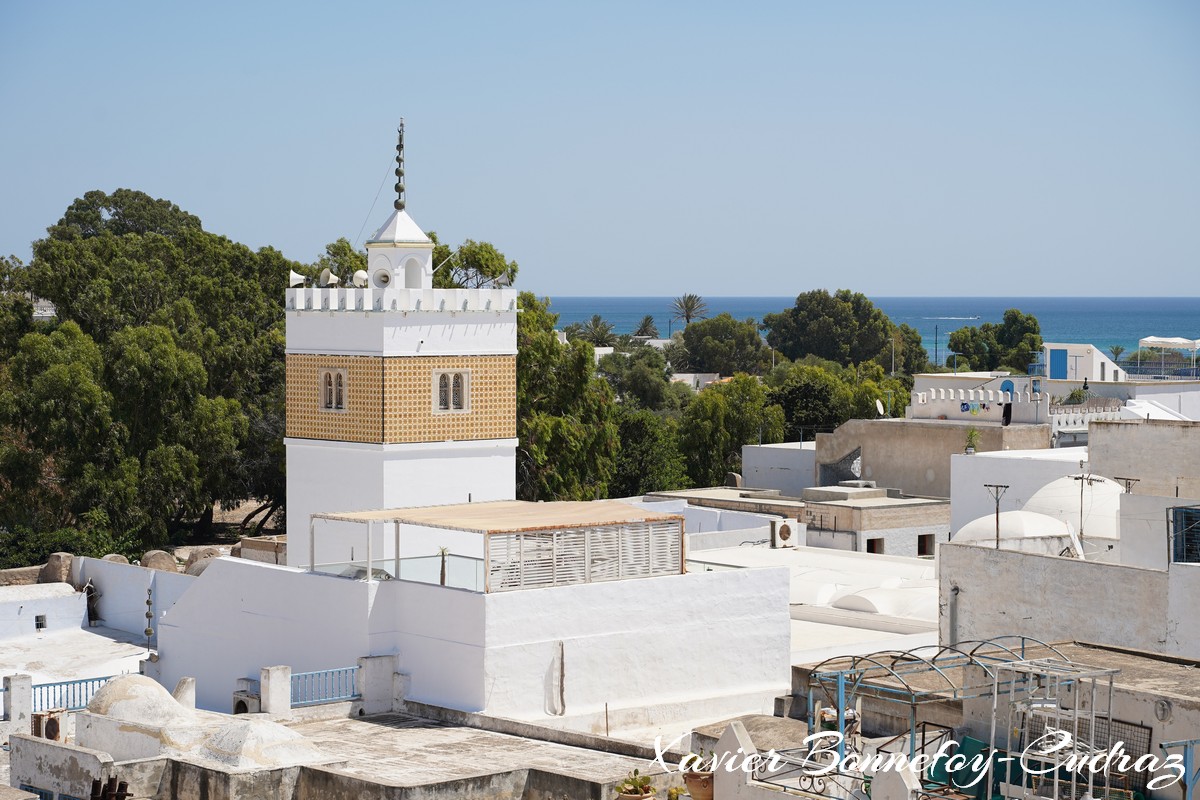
x: 368, y: 299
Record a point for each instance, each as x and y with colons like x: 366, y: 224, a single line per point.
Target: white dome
x: 1101, y: 503
x: 1013, y: 525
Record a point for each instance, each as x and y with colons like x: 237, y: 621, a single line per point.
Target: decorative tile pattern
x: 409, y: 388
x: 392, y: 399
x: 362, y: 421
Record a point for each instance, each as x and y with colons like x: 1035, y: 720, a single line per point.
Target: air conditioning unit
x: 50, y: 724
x: 784, y: 532
x: 246, y: 702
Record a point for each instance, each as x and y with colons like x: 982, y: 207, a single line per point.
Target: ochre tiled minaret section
x: 392, y: 399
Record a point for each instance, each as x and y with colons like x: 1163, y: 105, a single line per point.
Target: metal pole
x: 312, y: 545
x: 997, y: 490
x: 396, y: 545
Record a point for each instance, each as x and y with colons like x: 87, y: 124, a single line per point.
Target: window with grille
x: 1185, y: 523
x: 333, y: 388
x: 452, y: 391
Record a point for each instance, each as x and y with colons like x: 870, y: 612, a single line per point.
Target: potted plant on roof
x: 698, y: 774
x: 972, y: 440
x: 635, y: 784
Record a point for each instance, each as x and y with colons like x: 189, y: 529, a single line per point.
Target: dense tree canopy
x: 649, y: 459
x: 844, y: 327
x: 157, y: 391
x: 1015, y: 343
x: 722, y: 418
x: 725, y: 345
x: 566, y: 415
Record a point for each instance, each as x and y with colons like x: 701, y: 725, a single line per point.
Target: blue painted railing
x: 324, y: 686
x: 71, y: 695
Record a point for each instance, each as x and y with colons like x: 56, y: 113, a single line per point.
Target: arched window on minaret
x: 444, y: 392
x: 458, y: 391
x: 339, y: 395
x: 328, y: 390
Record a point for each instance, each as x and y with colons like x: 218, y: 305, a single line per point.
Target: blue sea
x: 1100, y: 321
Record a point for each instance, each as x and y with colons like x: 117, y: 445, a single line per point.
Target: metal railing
x: 71, y: 695
x: 324, y: 686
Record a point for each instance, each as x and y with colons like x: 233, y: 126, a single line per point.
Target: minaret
x: 398, y: 394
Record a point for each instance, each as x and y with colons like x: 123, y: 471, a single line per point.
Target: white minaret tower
x: 398, y: 394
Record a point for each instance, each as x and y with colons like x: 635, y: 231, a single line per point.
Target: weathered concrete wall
x: 20, y: 576
x: 55, y: 766
x: 1164, y: 455
x: 883, y: 517
x: 317, y: 783
x: 1002, y: 592
x: 913, y: 455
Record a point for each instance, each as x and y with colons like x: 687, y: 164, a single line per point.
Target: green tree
x: 342, y: 260
x: 1116, y: 351
x: 168, y: 365
x: 471, y: 265
x: 1015, y: 343
x: 725, y: 345
x: 566, y: 414
x: 646, y: 328
x: 844, y: 327
x: 911, y: 355
x: 16, y: 310
x: 649, y: 459
x: 640, y: 377
x: 688, y: 307
x: 722, y: 418
x: 812, y: 399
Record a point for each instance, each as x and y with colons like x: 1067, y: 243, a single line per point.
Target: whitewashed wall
x: 638, y: 644
x: 331, y: 476
x: 438, y: 634
x: 21, y: 605
x: 791, y: 468
x: 122, y: 588
x: 240, y: 616
x: 395, y: 333
x: 1024, y: 475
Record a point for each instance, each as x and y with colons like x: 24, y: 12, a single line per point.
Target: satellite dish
x: 328, y: 278
x: 879, y: 406
x: 295, y: 278
x: 361, y: 278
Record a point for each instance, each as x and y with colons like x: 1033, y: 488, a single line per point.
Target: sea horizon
x: 1104, y: 322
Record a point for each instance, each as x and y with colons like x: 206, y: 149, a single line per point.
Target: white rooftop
x: 1075, y: 454
x: 66, y: 655
x: 35, y: 591
x: 399, y: 229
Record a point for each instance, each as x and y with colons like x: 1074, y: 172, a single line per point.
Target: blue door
x: 1058, y: 365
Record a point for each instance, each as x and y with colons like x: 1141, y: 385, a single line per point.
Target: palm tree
x: 598, y: 332
x: 647, y: 328
x: 1116, y: 351
x: 688, y: 308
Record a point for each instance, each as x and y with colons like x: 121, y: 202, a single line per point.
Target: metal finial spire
x: 399, y: 204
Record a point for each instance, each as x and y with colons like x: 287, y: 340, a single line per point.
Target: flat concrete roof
x: 510, y: 516
x: 1139, y: 671
x: 729, y: 494
x: 1073, y: 454
x: 403, y: 750
x: 880, y: 502
x: 35, y: 591
x: 65, y: 655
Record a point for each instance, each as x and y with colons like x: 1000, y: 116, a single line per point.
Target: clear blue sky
x: 896, y: 148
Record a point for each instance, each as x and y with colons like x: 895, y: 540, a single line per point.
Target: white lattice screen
x: 583, y: 555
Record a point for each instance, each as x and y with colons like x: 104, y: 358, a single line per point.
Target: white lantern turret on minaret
x: 399, y: 253
x: 398, y: 394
